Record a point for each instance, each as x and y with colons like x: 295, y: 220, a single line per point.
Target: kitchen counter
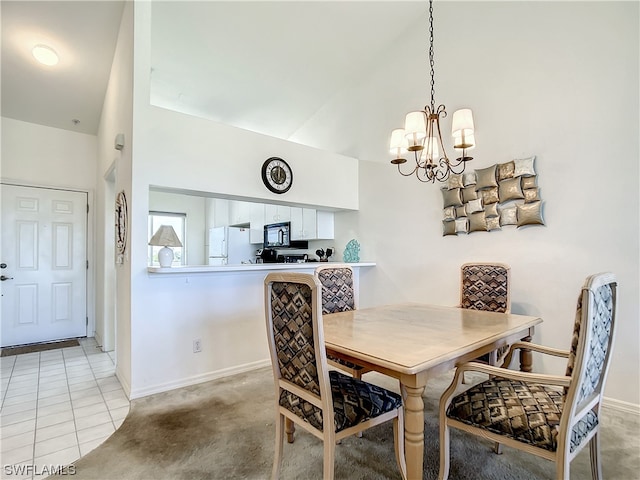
x: 249, y: 267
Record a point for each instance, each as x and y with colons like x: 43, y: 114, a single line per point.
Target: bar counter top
x: 248, y: 267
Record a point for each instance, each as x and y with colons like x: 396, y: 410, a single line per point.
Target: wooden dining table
x: 413, y: 342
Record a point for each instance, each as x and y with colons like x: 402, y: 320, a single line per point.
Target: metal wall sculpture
x: 492, y: 197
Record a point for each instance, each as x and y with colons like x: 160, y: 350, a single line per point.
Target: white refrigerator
x: 230, y: 246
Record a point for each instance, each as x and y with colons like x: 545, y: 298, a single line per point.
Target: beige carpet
x: 225, y: 430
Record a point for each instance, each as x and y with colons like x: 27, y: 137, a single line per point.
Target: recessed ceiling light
x: 45, y: 55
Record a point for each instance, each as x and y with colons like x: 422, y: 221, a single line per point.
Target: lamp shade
x: 398, y: 143
x: 165, y: 236
x: 462, y: 122
x: 462, y: 129
x: 415, y: 130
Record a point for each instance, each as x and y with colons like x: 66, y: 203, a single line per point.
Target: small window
x: 178, y: 222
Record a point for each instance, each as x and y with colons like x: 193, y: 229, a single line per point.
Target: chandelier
x: 421, y: 135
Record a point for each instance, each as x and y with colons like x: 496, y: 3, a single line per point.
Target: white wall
x: 41, y: 155
x: 114, y: 175
x: 558, y: 80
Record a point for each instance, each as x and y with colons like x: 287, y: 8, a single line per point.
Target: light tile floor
x: 57, y: 406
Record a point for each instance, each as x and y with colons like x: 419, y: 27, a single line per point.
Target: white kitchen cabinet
x: 306, y: 223
x: 276, y: 214
x: 256, y: 223
x: 239, y: 212
x: 311, y: 224
x: 303, y: 223
x: 220, y: 212
x: 324, y: 225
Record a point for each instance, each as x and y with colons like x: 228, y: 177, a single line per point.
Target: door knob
x: 3, y: 278
x: 3, y: 265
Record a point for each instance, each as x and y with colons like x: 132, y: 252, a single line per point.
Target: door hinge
x: 87, y: 264
x: 87, y: 321
x: 87, y: 208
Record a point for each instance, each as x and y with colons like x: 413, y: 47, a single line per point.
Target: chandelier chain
x: 431, y: 62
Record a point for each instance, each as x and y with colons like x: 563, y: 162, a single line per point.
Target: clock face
x: 277, y: 175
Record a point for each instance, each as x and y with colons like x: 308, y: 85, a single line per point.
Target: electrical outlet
x: 197, y: 345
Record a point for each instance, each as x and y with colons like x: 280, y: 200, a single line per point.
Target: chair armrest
x: 534, y: 348
x: 540, y: 348
x: 546, y: 379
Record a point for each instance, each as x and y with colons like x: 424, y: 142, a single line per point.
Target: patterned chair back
x: 591, y: 344
x: 338, y: 294
x: 486, y: 286
x: 296, y: 344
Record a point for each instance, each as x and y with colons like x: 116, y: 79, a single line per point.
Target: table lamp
x: 165, y: 237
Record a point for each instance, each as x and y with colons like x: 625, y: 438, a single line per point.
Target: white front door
x: 44, y: 264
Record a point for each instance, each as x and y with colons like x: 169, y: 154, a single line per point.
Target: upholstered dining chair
x: 486, y: 286
x: 328, y: 404
x: 550, y: 416
x: 338, y: 295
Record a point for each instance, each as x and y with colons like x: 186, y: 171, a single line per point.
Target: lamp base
x: 165, y: 257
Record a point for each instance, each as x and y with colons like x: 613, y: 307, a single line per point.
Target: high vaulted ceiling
x: 84, y: 35
x: 267, y: 66
x: 264, y: 66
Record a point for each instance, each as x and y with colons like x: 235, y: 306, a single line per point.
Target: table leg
x: 289, y: 428
x: 413, y: 430
x: 526, y: 357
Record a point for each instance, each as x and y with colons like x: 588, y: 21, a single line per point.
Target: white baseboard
x: 98, y: 339
x: 123, y: 383
x: 206, y: 377
x: 620, y: 406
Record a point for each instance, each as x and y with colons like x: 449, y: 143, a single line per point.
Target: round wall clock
x: 121, y: 225
x: 277, y: 175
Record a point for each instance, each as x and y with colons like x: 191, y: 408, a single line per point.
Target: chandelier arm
x: 441, y: 111
x: 416, y: 157
x: 406, y: 174
x: 459, y: 161
x: 442, y: 174
x: 428, y: 175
